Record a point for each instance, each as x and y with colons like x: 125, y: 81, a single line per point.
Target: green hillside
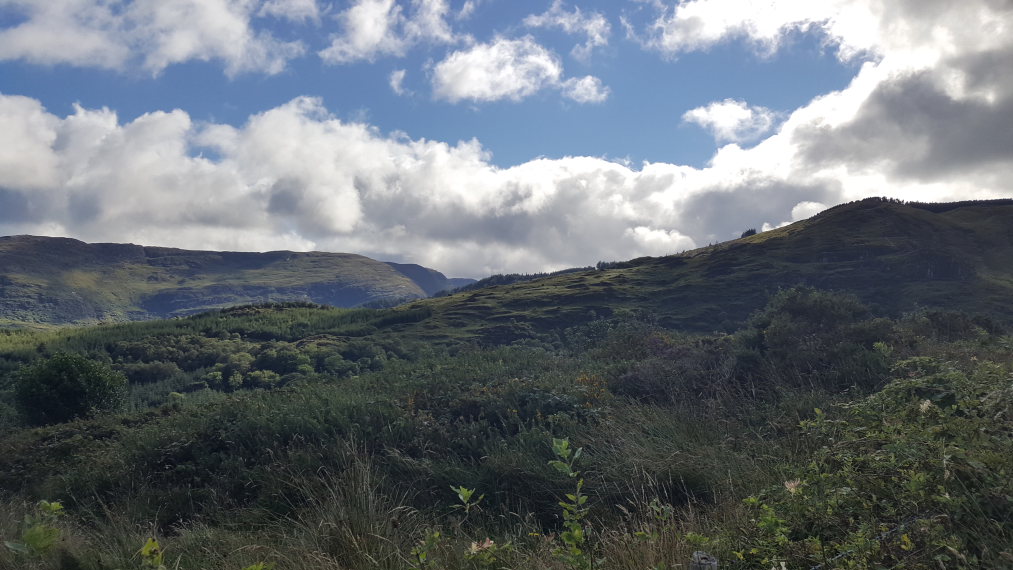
x: 59, y: 281
x: 895, y: 257
x: 624, y: 419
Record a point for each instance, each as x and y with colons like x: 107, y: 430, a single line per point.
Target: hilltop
x: 62, y: 281
x: 896, y: 257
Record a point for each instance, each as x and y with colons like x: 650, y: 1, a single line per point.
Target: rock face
x: 60, y: 280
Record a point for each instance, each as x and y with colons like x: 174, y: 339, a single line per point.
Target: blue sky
x: 640, y: 120
x: 485, y: 136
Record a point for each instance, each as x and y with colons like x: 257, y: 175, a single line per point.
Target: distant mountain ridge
x: 51, y: 280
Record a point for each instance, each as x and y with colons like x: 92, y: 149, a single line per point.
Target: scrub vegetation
x: 819, y: 431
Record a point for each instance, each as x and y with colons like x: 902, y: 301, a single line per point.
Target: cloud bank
x: 152, y: 34
x: 928, y: 116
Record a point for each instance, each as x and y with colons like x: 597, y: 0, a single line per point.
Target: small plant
x: 40, y: 533
x: 423, y: 553
x: 487, y: 553
x: 152, y: 555
x: 574, y: 551
x: 465, y: 495
x: 663, y: 515
x: 772, y: 532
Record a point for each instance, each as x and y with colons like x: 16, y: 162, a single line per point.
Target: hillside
x: 813, y: 434
x: 59, y: 280
x: 895, y: 257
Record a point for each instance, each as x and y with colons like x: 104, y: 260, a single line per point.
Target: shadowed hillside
x: 59, y: 280
x: 895, y: 257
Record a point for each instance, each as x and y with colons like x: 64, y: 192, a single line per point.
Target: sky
x: 490, y: 136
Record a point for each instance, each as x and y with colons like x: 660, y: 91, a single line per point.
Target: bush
x: 813, y: 337
x: 67, y: 386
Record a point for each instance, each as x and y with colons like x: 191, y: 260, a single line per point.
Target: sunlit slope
x: 59, y: 280
x: 896, y: 257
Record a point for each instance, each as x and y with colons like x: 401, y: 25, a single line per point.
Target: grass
x: 688, y: 442
x: 811, y: 433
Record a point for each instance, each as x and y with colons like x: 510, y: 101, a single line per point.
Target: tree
x: 67, y: 386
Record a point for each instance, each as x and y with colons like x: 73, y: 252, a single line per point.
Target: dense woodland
x: 816, y: 434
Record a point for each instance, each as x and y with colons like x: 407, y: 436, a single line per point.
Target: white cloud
x: 910, y: 33
x: 378, y: 28
x: 587, y: 89
x: 502, y: 69
x: 27, y: 159
x: 659, y: 241
x: 76, y: 32
x: 805, y: 210
x: 930, y: 117
x: 430, y: 22
x: 153, y: 34
x: 508, y: 69
x: 370, y: 29
x: 699, y: 24
x: 467, y: 9
x: 297, y: 177
x: 396, y: 81
x: 594, y: 26
x: 294, y: 10
x: 732, y: 121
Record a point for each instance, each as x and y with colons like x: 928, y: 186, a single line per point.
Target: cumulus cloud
x: 911, y: 33
x: 587, y: 89
x: 294, y: 10
x: 700, y: 24
x: 594, y: 26
x: 297, y: 177
x: 509, y: 69
x: 377, y: 28
x: 396, y: 81
x: 501, y: 69
x: 928, y: 116
x: 806, y: 209
x: 732, y: 121
x: 153, y: 34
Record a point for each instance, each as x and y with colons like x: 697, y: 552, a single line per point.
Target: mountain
x: 430, y: 280
x: 60, y: 280
x: 317, y: 438
x: 896, y: 257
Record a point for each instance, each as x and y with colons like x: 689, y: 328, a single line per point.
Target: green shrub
x: 67, y: 386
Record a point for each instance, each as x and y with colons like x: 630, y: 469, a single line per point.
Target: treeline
x: 508, y: 279
x: 935, y: 208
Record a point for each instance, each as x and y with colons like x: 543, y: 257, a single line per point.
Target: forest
x: 817, y: 434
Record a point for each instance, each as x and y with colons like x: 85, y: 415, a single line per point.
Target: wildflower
x: 477, y: 547
x: 925, y: 406
x: 793, y: 485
